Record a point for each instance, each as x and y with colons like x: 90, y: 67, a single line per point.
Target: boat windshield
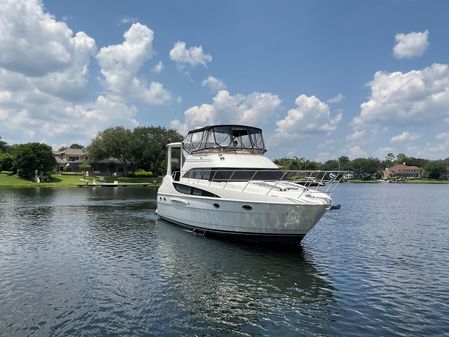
x: 225, y: 137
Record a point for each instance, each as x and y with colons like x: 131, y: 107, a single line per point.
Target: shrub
x: 71, y: 173
x: 85, y: 167
x: 6, y: 162
x: 141, y: 173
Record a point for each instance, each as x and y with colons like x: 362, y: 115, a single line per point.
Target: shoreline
x: 70, y: 181
x: 413, y: 182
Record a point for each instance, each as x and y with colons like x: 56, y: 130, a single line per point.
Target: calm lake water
x: 98, y: 262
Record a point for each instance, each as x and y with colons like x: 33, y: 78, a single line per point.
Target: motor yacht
x: 219, y: 182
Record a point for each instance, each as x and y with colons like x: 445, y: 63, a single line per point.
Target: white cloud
x: 410, y: 45
x: 327, y: 144
x: 32, y: 42
x: 357, y: 135
x: 32, y: 115
x: 158, y: 67
x: 337, y: 99
x: 405, y: 136
x: 44, y: 80
x: 310, y: 116
x: 214, y: 84
x: 121, y: 63
x: 382, y: 151
x: 415, y: 97
x: 324, y: 156
x: 43, y: 50
x: 71, y: 83
x: 191, y: 57
x: 194, y: 117
x: 253, y: 109
x: 443, y: 136
x: 437, y: 150
x: 128, y: 19
x: 355, y: 152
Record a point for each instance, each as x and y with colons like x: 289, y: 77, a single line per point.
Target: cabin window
x: 234, y: 174
x: 184, y: 189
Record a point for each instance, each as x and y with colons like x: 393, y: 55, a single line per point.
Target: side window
x: 184, y: 189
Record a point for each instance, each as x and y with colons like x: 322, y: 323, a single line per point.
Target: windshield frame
x: 220, y: 138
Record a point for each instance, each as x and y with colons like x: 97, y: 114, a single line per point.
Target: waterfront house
x: 69, y: 157
x: 402, y: 172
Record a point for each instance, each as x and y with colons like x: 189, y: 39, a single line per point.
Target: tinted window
x: 231, y: 174
x: 184, y: 189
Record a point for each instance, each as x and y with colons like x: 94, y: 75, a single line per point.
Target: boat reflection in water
x: 237, y: 288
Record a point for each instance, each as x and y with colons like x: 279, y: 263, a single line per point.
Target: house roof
x: 71, y: 152
x: 60, y: 161
x: 75, y: 152
x: 399, y: 168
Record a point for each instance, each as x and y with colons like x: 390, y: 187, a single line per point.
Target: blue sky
x: 322, y: 78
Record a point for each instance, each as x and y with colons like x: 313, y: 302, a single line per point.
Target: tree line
x: 144, y: 148
x: 141, y: 148
x: 371, y: 167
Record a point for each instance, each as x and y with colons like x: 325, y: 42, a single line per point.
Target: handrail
x: 311, y: 181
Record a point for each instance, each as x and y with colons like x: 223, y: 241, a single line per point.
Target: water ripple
x: 98, y: 262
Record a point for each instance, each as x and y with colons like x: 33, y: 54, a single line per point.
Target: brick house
x: 402, y: 171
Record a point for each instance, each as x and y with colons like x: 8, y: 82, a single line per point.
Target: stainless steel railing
x: 280, y: 180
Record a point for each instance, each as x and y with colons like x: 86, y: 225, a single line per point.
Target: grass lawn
x: 56, y: 181
x: 427, y: 181
x: 361, y: 181
x: 67, y: 181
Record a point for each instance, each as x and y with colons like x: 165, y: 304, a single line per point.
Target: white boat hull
x: 272, y: 221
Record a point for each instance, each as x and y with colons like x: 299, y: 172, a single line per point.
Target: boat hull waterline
x: 250, y: 220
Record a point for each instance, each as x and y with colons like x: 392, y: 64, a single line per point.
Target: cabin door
x: 174, y: 162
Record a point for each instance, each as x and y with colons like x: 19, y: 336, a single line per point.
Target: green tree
x: 85, y: 166
x: 331, y: 165
x: 114, y: 142
x: 3, y: 146
x: 34, y: 156
x: 401, y: 158
x: 76, y: 146
x: 365, y: 168
x: 296, y: 163
x: 389, y: 160
x: 6, y: 162
x: 344, y: 162
x: 436, y: 169
x: 150, y: 147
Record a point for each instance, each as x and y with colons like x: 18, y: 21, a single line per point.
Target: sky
x: 321, y: 78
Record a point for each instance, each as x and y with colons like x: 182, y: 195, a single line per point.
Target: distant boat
x: 309, y: 182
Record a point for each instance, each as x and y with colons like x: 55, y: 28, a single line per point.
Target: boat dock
x: 117, y: 185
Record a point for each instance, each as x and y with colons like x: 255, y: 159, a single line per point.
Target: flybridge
x: 225, y: 138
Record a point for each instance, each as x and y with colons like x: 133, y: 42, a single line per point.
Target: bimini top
x: 238, y: 138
